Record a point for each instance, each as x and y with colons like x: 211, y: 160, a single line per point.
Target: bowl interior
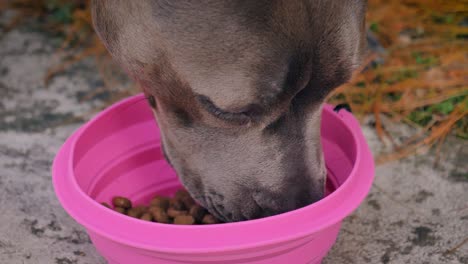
x: 121, y: 155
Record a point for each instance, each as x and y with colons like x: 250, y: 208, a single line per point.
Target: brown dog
x: 237, y: 88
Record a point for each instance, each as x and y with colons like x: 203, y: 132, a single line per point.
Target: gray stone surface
x: 414, y: 214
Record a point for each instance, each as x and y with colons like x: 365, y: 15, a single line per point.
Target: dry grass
x: 423, y: 82
x: 72, y: 21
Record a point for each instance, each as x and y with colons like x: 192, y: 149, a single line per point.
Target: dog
x: 237, y: 89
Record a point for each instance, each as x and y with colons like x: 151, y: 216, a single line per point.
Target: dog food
x: 147, y: 217
x: 122, y: 202
x: 120, y: 210
x: 209, y: 219
x: 180, y: 210
x: 184, y: 220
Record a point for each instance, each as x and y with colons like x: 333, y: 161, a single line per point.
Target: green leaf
x: 361, y: 84
x: 421, y: 117
x: 394, y: 96
x: 444, y: 19
x: 374, y: 27
x: 420, y: 59
x: 445, y: 107
x: 64, y: 14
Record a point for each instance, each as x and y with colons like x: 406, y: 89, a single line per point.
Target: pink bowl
x: 118, y: 153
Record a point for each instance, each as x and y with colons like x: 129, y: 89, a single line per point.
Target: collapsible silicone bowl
x: 118, y: 153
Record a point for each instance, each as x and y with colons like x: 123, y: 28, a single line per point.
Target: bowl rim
x: 363, y: 160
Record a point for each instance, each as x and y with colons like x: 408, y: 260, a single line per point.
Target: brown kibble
x: 184, y: 220
x: 123, y: 202
x: 184, y: 196
x: 154, y: 209
x: 141, y: 208
x: 161, y: 202
x: 181, y: 209
x: 171, y: 212
x: 120, y: 210
x: 209, y: 219
x: 197, y: 212
x: 133, y: 213
x: 147, y: 217
x: 181, y: 194
x: 159, y: 215
x: 187, y: 201
x: 137, y: 211
x: 176, y: 204
x: 106, y: 205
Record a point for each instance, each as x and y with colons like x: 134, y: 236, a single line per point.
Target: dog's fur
x: 237, y: 88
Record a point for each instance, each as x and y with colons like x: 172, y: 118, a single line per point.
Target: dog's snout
x: 269, y: 203
x: 247, y: 204
x: 166, y: 157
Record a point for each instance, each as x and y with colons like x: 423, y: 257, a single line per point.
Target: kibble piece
x: 176, y: 204
x: 187, y: 201
x: 181, y: 194
x: 197, y: 212
x: 159, y: 215
x: 161, y: 202
x: 147, y: 217
x: 106, y: 205
x: 209, y: 219
x: 153, y: 209
x: 122, y: 202
x: 171, y: 212
x: 137, y: 211
x: 120, y: 210
x: 184, y: 220
x: 141, y: 208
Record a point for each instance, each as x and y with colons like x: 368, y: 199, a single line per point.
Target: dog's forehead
x: 231, y: 84
x: 230, y: 78
x: 222, y: 57
x: 226, y: 87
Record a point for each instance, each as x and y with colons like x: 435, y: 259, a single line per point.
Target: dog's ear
x: 104, y: 28
x: 326, y: 40
x: 340, y: 46
x: 132, y: 40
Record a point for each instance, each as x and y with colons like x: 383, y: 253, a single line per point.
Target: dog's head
x: 237, y: 89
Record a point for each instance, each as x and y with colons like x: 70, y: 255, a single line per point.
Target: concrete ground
x: 415, y: 213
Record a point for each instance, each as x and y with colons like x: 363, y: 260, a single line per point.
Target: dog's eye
x: 239, y: 118
x: 151, y: 101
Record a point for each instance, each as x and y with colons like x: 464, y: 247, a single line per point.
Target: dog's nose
x: 250, y: 205
x: 269, y: 203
